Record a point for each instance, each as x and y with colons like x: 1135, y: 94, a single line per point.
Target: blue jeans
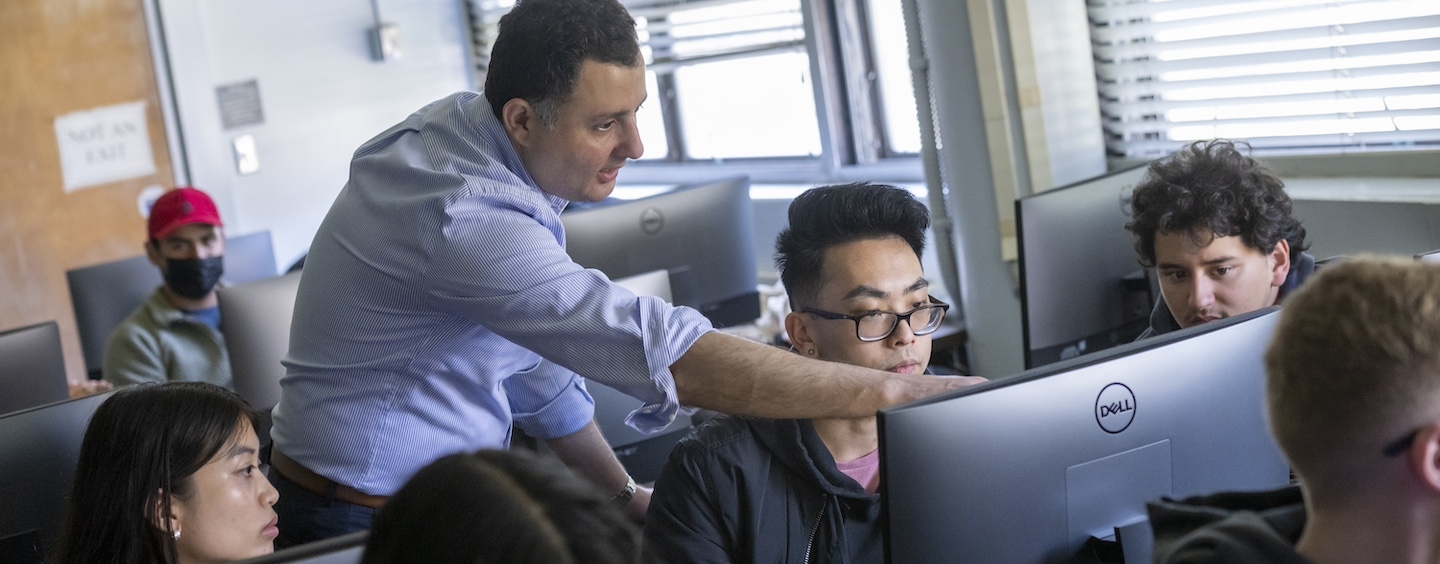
x: 306, y: 517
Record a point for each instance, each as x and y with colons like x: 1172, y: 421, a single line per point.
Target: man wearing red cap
x: 175, y: 334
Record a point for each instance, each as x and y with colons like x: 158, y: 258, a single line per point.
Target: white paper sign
x: 104, y: 145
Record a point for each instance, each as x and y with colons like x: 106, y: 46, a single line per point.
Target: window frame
x: 849, y: 108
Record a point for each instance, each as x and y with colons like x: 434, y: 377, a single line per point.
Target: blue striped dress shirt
x: 438, y: 303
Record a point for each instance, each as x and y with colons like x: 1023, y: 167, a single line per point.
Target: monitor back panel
x: 255, y: 318
x: 103, y: 295
x: 39, y: 449
x: 1074, y: 256
x: 32, y: 367
x: 1026, y: 472
x: 703, y: 235
x: 249, y: 257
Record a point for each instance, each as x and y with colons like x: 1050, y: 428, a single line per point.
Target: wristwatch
x: 624, y: 496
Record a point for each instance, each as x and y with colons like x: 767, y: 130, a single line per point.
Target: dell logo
x: 1115, y: 408
x: 651, y: 221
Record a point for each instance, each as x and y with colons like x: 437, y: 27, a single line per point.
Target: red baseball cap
x: 180, y: 207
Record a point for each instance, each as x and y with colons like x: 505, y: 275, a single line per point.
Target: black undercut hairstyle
x: 834, y: 215
x: 542, y: 43
x: 1212, y: 186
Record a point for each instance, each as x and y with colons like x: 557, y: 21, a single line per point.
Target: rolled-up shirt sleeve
x: 549, y: 401
x: 501, y: 263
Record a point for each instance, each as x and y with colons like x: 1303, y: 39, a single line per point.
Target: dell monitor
x: 1027, y: 469
x: 1081, y: 287
x: 703, y: 235
x: 32, y: 367
x: 39, y: 449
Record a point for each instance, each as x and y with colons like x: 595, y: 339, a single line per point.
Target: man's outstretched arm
x: 733, y: 375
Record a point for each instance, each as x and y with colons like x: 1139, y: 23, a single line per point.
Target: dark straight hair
x: 542, y: 43
x: 500, y: 507
x: 828, y: 216
x: 141, y: 447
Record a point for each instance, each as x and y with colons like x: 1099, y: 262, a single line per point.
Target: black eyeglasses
x: 878, y: 325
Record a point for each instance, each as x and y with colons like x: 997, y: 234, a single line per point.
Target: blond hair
x: 1355, y: 358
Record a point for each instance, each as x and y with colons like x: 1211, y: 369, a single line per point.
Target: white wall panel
x: 321, y: 92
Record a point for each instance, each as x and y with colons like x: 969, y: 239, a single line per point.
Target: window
x: 1288, y: 75
x: 769, y: 86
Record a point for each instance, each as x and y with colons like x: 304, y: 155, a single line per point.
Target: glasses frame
x: 933, y: 304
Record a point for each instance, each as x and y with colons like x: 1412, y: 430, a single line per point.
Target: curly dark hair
x: 834, y: 215
x: 542, y: 43
x: 1213, y: 186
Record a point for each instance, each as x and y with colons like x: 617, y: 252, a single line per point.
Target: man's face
x: 594, y: 134
x: 858, y: 278
x: 1204, y: 279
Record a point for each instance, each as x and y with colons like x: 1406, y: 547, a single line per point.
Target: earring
x: 812, y: 352
x: 177, y: 535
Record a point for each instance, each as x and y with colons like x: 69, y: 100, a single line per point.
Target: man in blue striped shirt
x: 438, y: 305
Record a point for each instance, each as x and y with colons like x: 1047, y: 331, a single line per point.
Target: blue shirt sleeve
x: 500, y: 262
x: 548, y: 401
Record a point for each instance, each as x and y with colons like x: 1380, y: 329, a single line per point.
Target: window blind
x: 1288, y: 75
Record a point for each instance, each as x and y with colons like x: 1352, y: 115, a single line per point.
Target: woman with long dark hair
x: 170, y: 474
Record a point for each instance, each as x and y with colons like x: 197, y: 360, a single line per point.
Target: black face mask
x: 193, y: 278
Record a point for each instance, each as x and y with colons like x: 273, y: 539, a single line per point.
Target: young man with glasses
x: 1354, y: 402
x: 804, y: 490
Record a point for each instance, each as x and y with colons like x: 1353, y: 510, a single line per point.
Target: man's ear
x: 152, y: 252
x: 1425, y: 457
x: 799, y: 333
x: 520, y: 121
x: 1279, y: 263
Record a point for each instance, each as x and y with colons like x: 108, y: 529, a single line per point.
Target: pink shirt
x: 864, y: 470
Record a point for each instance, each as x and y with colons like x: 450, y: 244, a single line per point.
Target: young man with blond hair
x: 1354, y: 403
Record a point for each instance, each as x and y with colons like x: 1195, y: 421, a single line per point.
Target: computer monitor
x: 32, y: 367
x: 346, y: 549
x: 255, y: 318
x: 1026, y: 469
x: 702, y: 234
x: 39, y: 449
x: 1081, y: 287
x: 249, y: 257
x: 103, y: 295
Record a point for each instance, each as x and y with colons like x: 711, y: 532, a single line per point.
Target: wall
x: 321, y: 94
x: 59, y: 57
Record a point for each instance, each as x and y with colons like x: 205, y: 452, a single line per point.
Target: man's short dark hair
x: 542, y: 43
x: 834, y: 215
x: 1212, y: 186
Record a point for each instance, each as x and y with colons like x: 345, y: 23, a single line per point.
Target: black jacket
x: 1235, y: 528
x: 759, y: 490
x: 1162, y: 321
